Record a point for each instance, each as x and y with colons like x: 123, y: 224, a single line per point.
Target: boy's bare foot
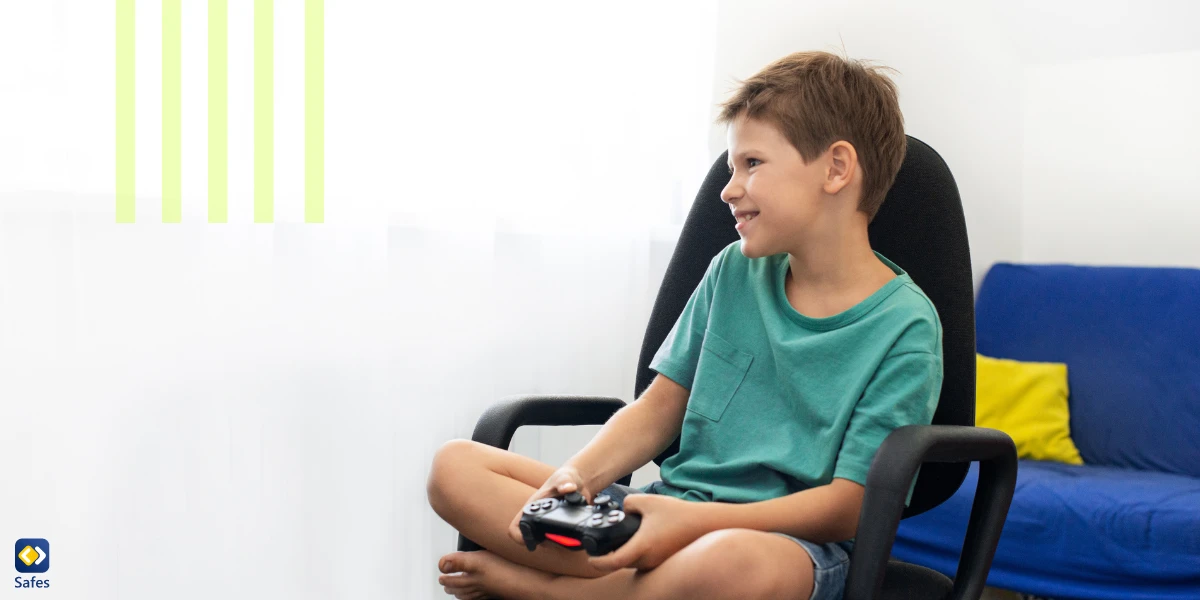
x: 481, y: 574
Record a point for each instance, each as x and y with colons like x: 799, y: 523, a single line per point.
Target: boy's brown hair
x: 815, y: 99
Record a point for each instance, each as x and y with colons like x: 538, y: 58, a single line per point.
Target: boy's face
x: 771, y: 183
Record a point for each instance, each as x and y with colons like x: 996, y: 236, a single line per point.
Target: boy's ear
x: 841, y: 166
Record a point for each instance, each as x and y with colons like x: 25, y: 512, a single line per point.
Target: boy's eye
x: 749, y: 162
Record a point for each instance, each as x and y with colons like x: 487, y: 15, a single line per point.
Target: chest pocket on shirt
x: 720, y: 373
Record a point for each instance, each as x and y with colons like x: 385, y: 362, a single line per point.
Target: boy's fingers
x: 612, y: 561
x: 603, y: 563
x: 514, y: 532
x: 630, y: 504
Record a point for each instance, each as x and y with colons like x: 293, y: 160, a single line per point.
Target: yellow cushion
x: 1028, y: 401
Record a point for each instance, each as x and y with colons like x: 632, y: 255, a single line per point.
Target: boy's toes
x: 459, y: 562
x: 455, y: 581
x: 470, y: 575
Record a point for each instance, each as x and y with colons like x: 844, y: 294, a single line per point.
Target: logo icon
x: 33, y: 555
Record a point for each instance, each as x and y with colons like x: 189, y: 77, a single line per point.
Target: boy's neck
x: 832, y: 271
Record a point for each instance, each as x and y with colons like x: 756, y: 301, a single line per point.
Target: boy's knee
x: 447, y: 466
x: 730, y: 563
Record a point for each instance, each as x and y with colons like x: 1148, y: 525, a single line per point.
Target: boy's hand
x: 560, y: 483
x: 668, y: 525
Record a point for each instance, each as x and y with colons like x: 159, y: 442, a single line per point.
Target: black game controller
x: 572, y: 523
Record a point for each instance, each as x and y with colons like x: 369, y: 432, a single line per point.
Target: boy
x: 798, y: 353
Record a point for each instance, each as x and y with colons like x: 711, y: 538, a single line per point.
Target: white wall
x: 1111, y: 124
x: 1111, y: 161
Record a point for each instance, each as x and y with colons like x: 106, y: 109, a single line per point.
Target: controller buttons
x: 547, y: 504
x: 575, y: 499
x: 602, y: 499
x: 615, y: 518
x: 535, y: 507
x: 613, y: 513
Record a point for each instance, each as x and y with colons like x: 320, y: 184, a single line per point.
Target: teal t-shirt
x: 780, y: 402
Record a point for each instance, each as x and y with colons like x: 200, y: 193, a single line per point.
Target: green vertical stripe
x: 264, y: 115
x: 314, y: 111
x: 172, y: 179
x: 124, y: 125
x: 218, y: 111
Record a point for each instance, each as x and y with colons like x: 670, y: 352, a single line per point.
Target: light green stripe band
x: 264, y: 111
x: 314, y: 111
x: 218, y: 111
x: 172, y: 179
x: 124, y: 117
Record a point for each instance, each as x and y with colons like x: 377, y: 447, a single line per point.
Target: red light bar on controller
x: 563, y: 540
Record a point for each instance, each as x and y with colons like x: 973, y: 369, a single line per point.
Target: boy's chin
x: 752, y: 250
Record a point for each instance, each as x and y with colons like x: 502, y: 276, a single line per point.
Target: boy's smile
x: 743, y: 218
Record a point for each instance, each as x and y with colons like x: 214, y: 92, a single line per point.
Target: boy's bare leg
x: 734, y: 563
x: 479, y: 489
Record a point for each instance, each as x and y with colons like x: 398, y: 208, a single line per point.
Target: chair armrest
x: 888, y: 482
x: 500, y: 421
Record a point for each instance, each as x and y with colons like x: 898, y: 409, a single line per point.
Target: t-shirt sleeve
x: 679, y: 353
x: 904, y: 391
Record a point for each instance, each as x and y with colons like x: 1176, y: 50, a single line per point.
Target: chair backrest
x: 920, y: 227
x: 1131, y: 342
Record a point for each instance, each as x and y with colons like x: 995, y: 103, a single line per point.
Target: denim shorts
x: 831, y: 562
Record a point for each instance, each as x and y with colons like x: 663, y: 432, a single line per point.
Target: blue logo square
x: 32, y: 555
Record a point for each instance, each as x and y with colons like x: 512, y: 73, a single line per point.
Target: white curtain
x: 247, y: 410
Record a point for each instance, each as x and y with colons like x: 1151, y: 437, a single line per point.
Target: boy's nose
x: 731, y: 192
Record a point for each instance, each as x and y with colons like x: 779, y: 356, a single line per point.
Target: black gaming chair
x: 921, y: 228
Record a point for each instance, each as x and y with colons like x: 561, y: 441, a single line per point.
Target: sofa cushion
x: 1076, y: 532
x: 1028, y: 401
x: 1130, y: 338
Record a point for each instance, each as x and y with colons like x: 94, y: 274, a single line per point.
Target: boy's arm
x: 634, y: 435
x: 828, y: 513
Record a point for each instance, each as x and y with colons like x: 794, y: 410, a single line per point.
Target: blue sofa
x: 1126, y: 524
